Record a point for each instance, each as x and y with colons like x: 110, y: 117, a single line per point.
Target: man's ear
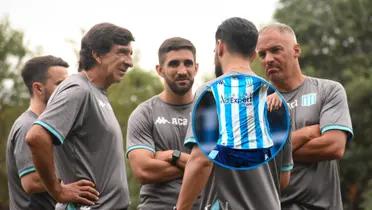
x: 96, y: 57
x: 297, y: 50
x: 220, y: 47
x: 159, y: 69
x: 37, y: 88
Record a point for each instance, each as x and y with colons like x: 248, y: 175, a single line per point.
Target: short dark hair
x: 174, y: 43
x: 100, y: 39
x: 36, y: 69
x: 239, y: 34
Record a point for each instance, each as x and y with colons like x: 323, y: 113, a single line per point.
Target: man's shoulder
x: 22, y: 124
x: 75, y: 85
x: 25, y: 120
x: 147, y: 106
x: 149, y: 103
x: 323, y: 83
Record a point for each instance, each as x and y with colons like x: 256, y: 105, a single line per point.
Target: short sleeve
x: 64, y: 111
x: 22, y: 153
x: 335, y: 111
x: 139, y: 131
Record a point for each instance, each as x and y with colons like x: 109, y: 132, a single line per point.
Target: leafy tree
x: 12, y: 92
x: 137, y: 86
x: 336, y: 40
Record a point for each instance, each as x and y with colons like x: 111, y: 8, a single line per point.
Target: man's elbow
x: 202, y: 161
x: 31, y: 187
x: 338, y: 153
x: 143, y: 176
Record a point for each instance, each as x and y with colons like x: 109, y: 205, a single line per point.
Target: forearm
x: 155, y: 171
x: 181, y: 163
x: 42, y: 155
x: 32, y: 183
x: 303, y: 135
x: 326, y: 147
x: 196, y: 176
x: 284, y: 179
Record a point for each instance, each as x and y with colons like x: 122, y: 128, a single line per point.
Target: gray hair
x: 281, y: 27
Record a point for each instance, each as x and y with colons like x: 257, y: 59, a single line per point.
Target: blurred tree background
x: 13, y: 95
x: 336, y: 40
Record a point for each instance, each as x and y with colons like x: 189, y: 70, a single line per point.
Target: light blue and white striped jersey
x: 242, y: 112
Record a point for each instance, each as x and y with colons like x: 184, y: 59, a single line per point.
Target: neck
x: 37, y: 106
x: 292, y: 82
x: 237, y: 64
x: 96, y: 77
x: 171, y: 98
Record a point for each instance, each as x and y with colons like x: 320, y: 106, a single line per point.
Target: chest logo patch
x: 308, y: 99
x: 174, y: 121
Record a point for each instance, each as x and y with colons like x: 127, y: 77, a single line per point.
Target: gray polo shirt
x: 317, y: 185
x: 89, y: 140
x: 157, y: 126
x: 257, y: 188
x: 19, y: 163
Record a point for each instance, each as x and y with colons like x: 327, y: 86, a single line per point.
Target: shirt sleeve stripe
x: 287, y: 168
x: 338, y: 127
x: 51, y: 130
x: 131, y: 148
x: 190, y: 142
x: 26, y: 171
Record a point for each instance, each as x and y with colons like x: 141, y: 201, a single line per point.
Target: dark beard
x: 179, y: 90
x: 218, y: 70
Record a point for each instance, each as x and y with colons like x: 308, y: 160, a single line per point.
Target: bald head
x: 281, y: 28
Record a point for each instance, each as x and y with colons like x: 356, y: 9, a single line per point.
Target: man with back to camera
x: 258, y: 188
x: 157, y: 128
x: 80, y: 121
x: 320, y: 120
x: 41, y: 76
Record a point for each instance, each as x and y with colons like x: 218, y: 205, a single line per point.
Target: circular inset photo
x: 240, y: 121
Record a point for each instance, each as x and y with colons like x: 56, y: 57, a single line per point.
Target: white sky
x: 50, y: 24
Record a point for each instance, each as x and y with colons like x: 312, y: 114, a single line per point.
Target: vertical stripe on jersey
x: 243, y: 121
x: 228, y: 113
x: 251, y: 141
x: 264, y: 140
x: 235, y: 112
x: 256, y: 107
x: 216, y: 89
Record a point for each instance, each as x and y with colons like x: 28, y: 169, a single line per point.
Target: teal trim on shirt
x: 338, y: 127
x: 51, y: 130
x: 190, y: 140
x: 131, y: 148
x: 27, y: 171
x: 71, y: 206
x: 287, y: 168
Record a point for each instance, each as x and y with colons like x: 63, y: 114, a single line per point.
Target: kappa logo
x: 174, y: 121
x: 162, y: 120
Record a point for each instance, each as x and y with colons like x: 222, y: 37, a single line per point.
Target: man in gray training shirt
x: 80, y: 121
x: 228, y: 189
x: 157, y: 128
x: 41, y: 76
x: 320, y: 120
